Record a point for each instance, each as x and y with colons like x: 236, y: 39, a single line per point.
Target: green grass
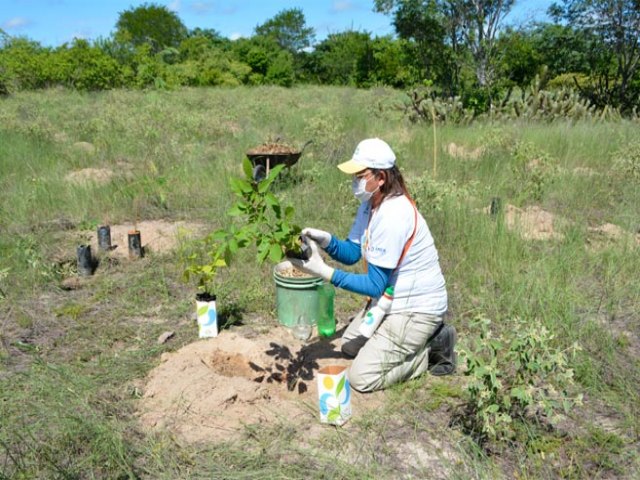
x: 71, y: 362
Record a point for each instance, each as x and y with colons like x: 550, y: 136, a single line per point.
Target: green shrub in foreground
x: 515, y: 376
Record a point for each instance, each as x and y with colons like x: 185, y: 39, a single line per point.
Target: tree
x: 472, y: 24
x: 520, y: 60
x: 562, y: 48
x: 336, y: 58
x: 480, y: 22
x: 288, y: 29
x: 616, y: 24
x: 434, y: 39
x: 269, y: 63
x: 152, y: 24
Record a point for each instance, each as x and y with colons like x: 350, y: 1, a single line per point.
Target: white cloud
x: 235, y: 36
x: 341, y: 6
x: 16, y: 23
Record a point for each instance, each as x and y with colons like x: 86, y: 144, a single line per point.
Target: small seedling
x: 265, y: 223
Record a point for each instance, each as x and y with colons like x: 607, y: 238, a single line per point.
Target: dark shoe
x: 442, y: 355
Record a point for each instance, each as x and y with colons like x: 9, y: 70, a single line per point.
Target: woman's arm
x: 371, y: 283
x: 344, y: 251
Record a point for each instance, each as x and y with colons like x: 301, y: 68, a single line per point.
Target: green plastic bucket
x: 296, y: 296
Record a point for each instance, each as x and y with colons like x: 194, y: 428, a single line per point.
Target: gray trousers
x: 397, y: 350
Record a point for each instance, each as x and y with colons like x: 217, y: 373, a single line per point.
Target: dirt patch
x: 273, y: 149
x: 607, y: 233
x: 86, y: 176
x: 158, y: 236
x: 211, y: 389
x: 584, y: 171
x: 466, y: 153
x: 532, y: 222
x: 432, y: 455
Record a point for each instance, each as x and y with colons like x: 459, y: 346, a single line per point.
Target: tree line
x: 457, y: 48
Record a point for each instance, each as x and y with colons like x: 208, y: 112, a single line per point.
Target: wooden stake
x: 435, y: 148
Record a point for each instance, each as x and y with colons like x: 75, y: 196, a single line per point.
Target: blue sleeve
x: 371, y: 283
x: 344, y: 251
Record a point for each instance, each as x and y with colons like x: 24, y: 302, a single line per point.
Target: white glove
x: 315, y: 265
x: 323, y: 238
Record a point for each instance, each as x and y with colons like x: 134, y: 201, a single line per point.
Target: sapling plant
x: 265, y: 223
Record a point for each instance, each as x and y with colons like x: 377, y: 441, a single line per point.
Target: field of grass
x: 73, y: 361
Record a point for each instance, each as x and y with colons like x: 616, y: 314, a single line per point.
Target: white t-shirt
x: 419, y: 285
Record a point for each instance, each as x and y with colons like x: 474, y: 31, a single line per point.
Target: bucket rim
x: 285, y: 265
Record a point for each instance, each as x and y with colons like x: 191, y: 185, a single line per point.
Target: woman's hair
x: 394, y: 185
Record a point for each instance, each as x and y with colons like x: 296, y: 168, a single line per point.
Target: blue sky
x: 53, y: 22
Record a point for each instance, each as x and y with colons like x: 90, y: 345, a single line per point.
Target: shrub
x: 626, y: 161
x: 534, y: 169
x: 429, y: 194
x: 85, y: 67
x: 514, y: 377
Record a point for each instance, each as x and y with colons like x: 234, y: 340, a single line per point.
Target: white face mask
x: 359, y: 188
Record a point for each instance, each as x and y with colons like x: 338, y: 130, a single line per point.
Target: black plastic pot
x: 104, y: 238
x: 305, y: 250
x: 85, y: 261
x: 135, y: 244
x: 496, y: 206
x: 205, y: 297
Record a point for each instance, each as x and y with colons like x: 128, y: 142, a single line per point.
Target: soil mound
x: 211, y: 389
x: 602, y: 235
x: 85, y: 176
x: 532, y: 222
x: 466, y: 153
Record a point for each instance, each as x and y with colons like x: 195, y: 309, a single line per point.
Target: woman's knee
x: 364, y: 381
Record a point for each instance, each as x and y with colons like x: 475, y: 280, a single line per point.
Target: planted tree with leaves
x: 264, y: 223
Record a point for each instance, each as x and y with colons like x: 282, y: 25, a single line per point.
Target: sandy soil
x: 158, y: 236
x: 98, y: 176
x: 211, y: 389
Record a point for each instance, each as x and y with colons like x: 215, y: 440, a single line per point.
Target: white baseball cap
x: 370, y: 153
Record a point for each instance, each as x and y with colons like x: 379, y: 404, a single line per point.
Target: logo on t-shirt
x: 368, y: 248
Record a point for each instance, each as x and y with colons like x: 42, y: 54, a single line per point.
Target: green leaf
x: 275, y: 171
x: 264, y: 185
x: 247, y: 168
x: 240, y: 186
x: 263, y: 251
x: 218, y: 235
x: 270, y: 200
x: 275, y: 253
x: 202, y: 310
x: 237, y: 209
x: 288, y: 212
x: 233, y: 246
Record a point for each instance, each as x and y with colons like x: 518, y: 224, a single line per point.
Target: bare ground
x: 211, y: 389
